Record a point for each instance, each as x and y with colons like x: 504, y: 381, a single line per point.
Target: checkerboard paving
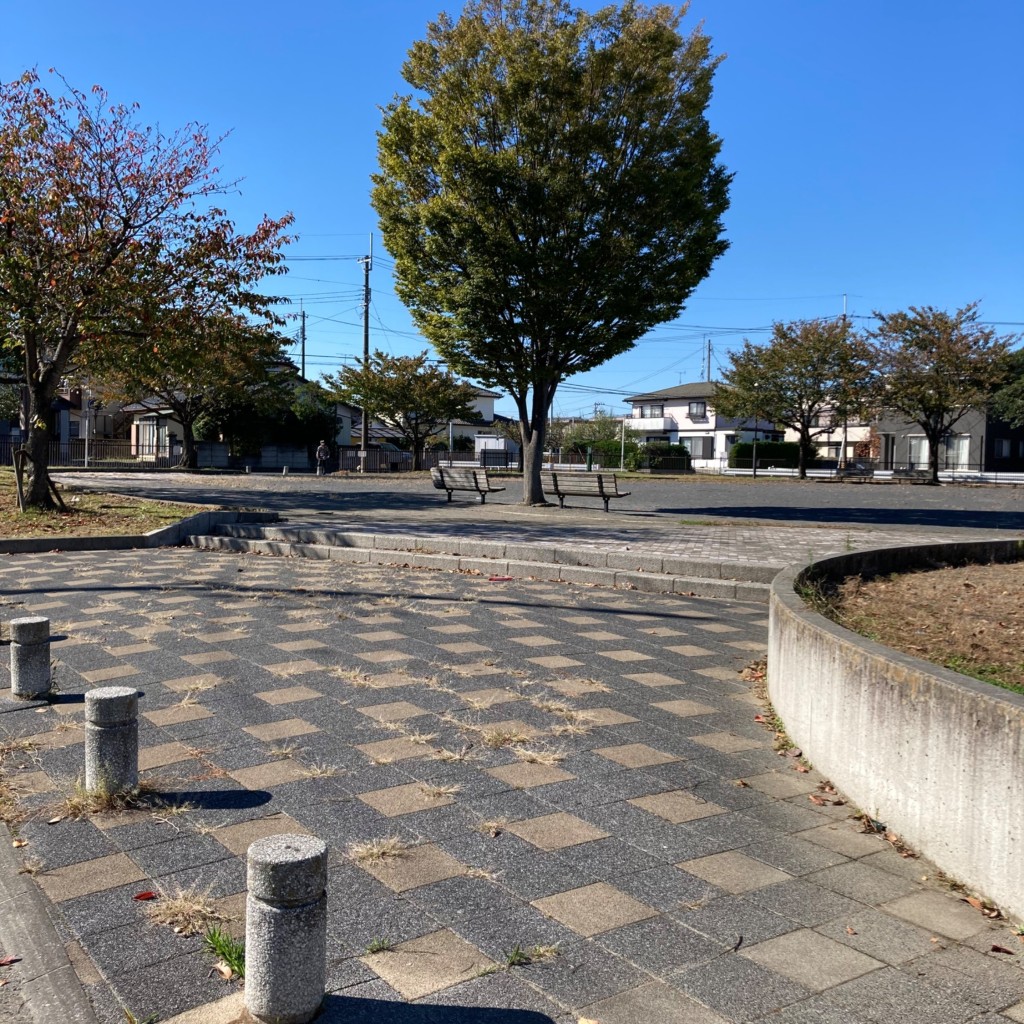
x: 536, y: 796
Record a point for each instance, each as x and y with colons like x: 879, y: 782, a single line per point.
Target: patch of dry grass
x: 187, y: 911
x: 376, y: 851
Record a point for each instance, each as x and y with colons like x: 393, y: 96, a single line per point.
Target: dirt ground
x: 970, y: 619
x: 88, y: 515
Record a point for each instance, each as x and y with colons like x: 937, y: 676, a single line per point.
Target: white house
x: 685, y: 415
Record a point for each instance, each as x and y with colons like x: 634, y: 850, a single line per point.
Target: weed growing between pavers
x: 229, y: 951
x: 186, y: 911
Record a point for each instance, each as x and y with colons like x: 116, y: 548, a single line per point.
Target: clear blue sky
x: 878, y: 151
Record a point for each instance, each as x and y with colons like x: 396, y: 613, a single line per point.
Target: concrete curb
x: 407, y: 556
x: 166, y: 536
x: 934, y: 754
x: 50, y: 987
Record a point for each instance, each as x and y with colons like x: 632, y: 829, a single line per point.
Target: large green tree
x: 1008, y: 401
x: 934, y: 366
x: 810, y: 377
x: 103, y: 221
x: 550, y: 191
x: 409, y: 394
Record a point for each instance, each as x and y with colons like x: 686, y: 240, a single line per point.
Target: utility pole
x: 364, y: 441
x: 708, y: 376
x: 302, y: 338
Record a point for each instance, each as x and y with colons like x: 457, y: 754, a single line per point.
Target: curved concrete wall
x: 935, y: 755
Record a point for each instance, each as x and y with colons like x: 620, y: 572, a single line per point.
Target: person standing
x: 323, y: 454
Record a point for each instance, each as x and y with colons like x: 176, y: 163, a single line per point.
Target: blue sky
x: 878, y: 152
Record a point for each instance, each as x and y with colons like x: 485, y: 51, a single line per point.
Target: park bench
x: 584, y: 485
x: 450, y: 479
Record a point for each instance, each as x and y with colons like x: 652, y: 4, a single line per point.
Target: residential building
x: 686, y: 415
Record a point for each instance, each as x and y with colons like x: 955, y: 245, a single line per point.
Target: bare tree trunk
x: 189, y: 452
x: 533, y: 460
x: 40, y: 397
x: 933, y: 456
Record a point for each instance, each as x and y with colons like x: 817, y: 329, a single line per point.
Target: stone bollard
x: 286, y: 929
x: 30, y: 658
x: 112, y: 739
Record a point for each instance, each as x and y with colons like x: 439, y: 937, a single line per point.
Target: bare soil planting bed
x: 969, y: 619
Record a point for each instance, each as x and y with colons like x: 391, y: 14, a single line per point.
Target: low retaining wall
x: 935, y: 755
x: 166, y: 536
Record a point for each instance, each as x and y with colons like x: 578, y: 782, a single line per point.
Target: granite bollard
x: 112, y: 739
x: 286, y: 929
x: 30, y: 658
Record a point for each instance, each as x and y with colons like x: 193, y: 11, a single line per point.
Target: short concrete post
x: 30, y: 658
x: 112, y: 739
x: 286, y: 929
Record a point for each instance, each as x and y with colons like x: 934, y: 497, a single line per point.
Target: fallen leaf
x: 3, y: 982
x: 6, y: 961
x: 759, y: 718
x: 815, y: 799
x: 223, y: 970
x: 147, y: 895
x: 19, y: 843
x: 742, y: 784
x: 801, y: 768
x: 1001, y: 949
x: 499, y: 579
x: 850, y: 930
x: 974, y: 902
x: 55, y: 821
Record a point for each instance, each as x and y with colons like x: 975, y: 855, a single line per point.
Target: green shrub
x: 781, y: 454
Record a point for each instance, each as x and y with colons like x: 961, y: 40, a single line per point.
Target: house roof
x: 703, y: 389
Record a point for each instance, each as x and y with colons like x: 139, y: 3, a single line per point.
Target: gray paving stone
x: 737, y: 988
x: 880, y: 935
x: 661, y: 945
x: 803, y: 902
x: 861, y: 882
x: 584, y: 973
x: 967, y: 974
x: 733, y: 919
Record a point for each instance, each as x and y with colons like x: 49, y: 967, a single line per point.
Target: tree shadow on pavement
x: 350, y: 1010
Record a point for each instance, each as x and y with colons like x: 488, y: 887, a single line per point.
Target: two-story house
x: 685, y: 415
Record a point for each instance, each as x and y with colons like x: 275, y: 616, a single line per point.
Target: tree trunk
x: 40, y: 397
x: 933, y: 455
x: 189, y: 452
x: 801, y: 460
x: 533, y: 460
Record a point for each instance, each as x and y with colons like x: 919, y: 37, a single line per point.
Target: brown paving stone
x: 409, y: 799
x: 383, y: 657
x: 527, y: 775
x: 606, y: 716
x: 734, y: 872
x: 178, y: 714
x: 200, y: 682
x: 103, y: 675
x: 294, y: 646
x: 89, y: 876
x: 231, y: 620
x: 224, y: 636
x: 600, y: 634
x: 57, y: 738
x: 685, y: 708
x: 688, y: 650
x: 454, y: 629
x: 232, y: 909
x: 476, y: 668
x: 782, y: 784
x: 428, y: 964
x: 662, y: 631
x: 400, y: 749
x: 288, y: 695
x: 380, y: 635
x: 717, y: 672
x: 677, y: 806
x: 266, y: 776
x: 487, y: 698
x: 510, y: 725
x: 716, y: 627
x: 555, y: 661
x: 635, y: 755
x: 421, y: 865
x: 302, y: 627
x: 556, y: 831
x: 396, y: 711
x: 593, y: 909
x: 520, y: 623
x: 536, y: 640
x: 842, y: 837
x: 653, y: 1003
x: 726, y: 742
x: 464, y: 647
x: 582, y: 620
x: 238, y: 838
x: 577, y: 687
x: 30, y: 783
x: 209, y: 657
x: 654, y: 679
x: 811, y: 960
x: 294, y: 668
x: 162, y: 754
x: 938, y: 913
x: 129, y: 649
x: 627, y: 656
x: 283, y: 730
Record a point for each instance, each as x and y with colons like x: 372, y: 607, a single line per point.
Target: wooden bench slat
x: 590, y: 485
x: 451, y: 479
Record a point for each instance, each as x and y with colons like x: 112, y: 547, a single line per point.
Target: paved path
x: 574, y: 772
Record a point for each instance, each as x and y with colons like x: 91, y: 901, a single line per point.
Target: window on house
x: 1003, y: 448
x: 698, y: 410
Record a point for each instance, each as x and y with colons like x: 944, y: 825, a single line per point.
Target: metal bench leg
x: 483, y: 498
x: 606, y: 500
x: 450, y: 496
x: 561, y: 501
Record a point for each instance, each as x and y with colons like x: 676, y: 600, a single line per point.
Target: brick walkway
x: 572, y: 773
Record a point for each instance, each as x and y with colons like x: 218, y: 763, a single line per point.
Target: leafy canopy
x: 1008, y: 401
x: 409, y: 394
x: 935, y: 366
x: 550, y: 190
